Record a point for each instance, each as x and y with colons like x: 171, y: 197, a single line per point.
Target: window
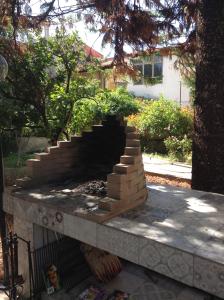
x: 151, y: 69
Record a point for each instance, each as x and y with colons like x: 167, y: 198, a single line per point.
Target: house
x: 157, y: 77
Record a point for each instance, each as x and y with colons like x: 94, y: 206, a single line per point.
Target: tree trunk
x: 208, y: 144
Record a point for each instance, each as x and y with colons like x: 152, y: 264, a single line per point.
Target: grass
x: 166, y: 157
x: 12, y: 161
x: 159, y: 156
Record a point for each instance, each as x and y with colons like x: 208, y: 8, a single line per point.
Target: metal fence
x: 66, y: 255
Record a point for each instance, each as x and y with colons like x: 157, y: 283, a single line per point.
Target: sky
x: 92, y: 39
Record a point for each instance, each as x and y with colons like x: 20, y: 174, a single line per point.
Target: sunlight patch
x: 198, y: 205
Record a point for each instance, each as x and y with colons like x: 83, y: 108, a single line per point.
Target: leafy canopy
x: 46, y: 77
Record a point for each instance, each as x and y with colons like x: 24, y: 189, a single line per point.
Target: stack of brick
x: 57, y: 162
x: 104, y: 146
x: 75, y: 158
x: 126, y: 186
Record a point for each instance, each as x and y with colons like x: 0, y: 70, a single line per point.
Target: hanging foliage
x: 140, y: 24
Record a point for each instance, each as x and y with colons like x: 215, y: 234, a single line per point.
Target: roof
x: 164, y: 51
x: 92, y: 52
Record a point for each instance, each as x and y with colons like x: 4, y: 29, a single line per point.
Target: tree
x: 140, y: 23
x: 44, y: 82
x: 208, y: 147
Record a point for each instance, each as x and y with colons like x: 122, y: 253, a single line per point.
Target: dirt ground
x: 168, y: 180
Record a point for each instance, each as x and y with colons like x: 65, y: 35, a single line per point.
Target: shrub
x: 179, y: 149
x: 159, y: 120
x: 164, y: 118
x: 88, y: 111
x: 118, y: 102
x: 85, y: 113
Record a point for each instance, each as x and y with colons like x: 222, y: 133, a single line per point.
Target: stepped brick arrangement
x: 111, y: 151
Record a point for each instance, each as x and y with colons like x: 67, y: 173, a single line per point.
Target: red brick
x: 32, y: 162
x: 132, y: 143
x: 139, y: 195
x: 65, y: 144
x: 43, y: 156
x: 97, y: 127
x: 136, y: 180
x: 124, y: 169
x: 133, y: 135
x: 76, y: 139
x: 122, y: 195
x: 123, y: 187
x: 131, y: 176
x: 141, y: 185
x: 131, y: 159
x: 132, y: 151
x: 53, y: 149
x: 109, y: 204
x: 114, y: 178
x: 129, y: 129
x: 127, y: 159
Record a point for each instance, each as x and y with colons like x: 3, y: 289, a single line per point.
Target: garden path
x: 165, y: 167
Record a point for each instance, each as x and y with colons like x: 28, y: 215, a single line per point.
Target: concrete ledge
x: 179, y: 233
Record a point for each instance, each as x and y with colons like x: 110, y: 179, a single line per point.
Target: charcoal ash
x: 94, y: 187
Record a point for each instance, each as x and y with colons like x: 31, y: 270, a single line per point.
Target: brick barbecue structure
x: 111, y: 152
x: 175, y: 232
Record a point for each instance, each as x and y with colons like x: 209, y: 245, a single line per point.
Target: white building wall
x: 170, y: 87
